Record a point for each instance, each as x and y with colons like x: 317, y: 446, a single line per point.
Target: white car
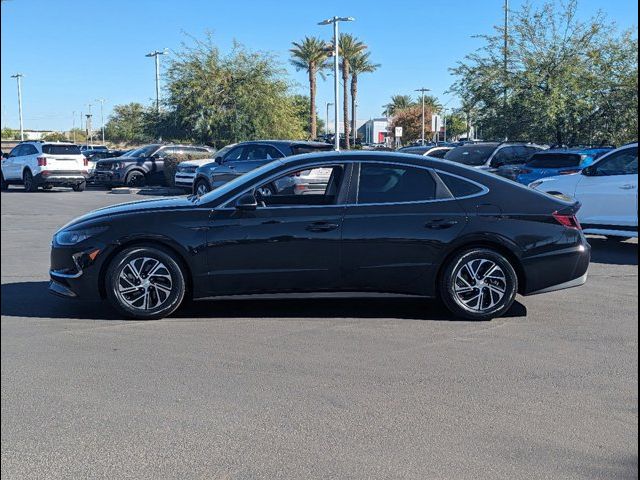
x: 313, y: 181
x: 608, y: 191
x: 45, y: 164
x: 186, y: 172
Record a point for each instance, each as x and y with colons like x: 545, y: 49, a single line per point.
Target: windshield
x: 239, y: 181
x: 143, y: 151
x: 473, y: 155
x: 224, y: 150
x: 555, y: 160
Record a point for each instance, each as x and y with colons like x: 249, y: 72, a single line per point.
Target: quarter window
x: 386, y: 183
x: 458, y: 187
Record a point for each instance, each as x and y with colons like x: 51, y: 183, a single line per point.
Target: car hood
x: 157, y: 204
x: 561, y: 183
x: 197, y: 163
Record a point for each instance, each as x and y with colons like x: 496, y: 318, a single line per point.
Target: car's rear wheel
x: 201, y: 188
x: 478, y: 284
x: 135, y: 179
x: 145, y: 283
x: 3, y: 183
x: 80, y: 187
x: 29, y: 183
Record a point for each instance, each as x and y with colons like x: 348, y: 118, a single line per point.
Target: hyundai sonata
x: 383, y: 222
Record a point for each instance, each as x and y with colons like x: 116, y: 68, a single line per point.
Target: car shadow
x: 18, y: 301
x: 613, y: 253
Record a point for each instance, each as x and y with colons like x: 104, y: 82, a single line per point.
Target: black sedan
x: 384, y: 222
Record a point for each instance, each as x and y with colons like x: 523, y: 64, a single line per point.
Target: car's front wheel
x: 145, y: 283
x: 135, y: 179
x: 478, y: 284
x: 201, y: 188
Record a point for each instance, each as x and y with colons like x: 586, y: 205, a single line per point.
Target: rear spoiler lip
x: 570, y: 209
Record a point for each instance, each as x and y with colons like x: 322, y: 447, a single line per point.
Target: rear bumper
x: 60, y: 178
x: 558, y: 270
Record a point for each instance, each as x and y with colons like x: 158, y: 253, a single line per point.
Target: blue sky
x: 73, y: 52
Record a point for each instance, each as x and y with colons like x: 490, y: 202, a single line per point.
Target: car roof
x: 286, y: 143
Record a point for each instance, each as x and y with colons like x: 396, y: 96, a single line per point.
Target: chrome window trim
x: 432, y: 170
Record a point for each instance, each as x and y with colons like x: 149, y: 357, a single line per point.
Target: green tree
x: 223, y: 99
x: 311, y: 55
x: 10, y: 134
x: 301, y: 105
x: 55, y: 137
x: 360, y: 63
x: 129, y: 123
x: 569, y: 81
x: 397, y: 103
x: 349, y: 47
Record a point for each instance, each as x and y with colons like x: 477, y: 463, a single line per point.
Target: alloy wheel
x: 144, y: 283
x: 480, y: 285
x: 201, y: 189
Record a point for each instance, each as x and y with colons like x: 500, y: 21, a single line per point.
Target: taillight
x: 85, y: 161
x: 42, y: 161
x: 568, y: 172
x: 569, y: 221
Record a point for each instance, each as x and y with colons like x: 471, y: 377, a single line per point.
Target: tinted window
x: 262, y: 152
x: 61, y: 149
x: 555, y: 160
x: 474, y: 155
x: 300, y: 149
x: 143, y: 151
x: 235, y: 154
x: 16, y: 151
x: 29, y: 150
x: 624, y: 162
x: 316, y: 186
x: 440, y: 153
x: 458, y: 187
x: 384, y: 183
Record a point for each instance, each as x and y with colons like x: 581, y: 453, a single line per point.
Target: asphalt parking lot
x: 313, y: 387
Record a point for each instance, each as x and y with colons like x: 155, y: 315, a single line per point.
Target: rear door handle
x: 441, y: 224
x: 628, y: 187
x: 321, y: 227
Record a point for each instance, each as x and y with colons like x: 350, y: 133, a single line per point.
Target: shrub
x: 171, y: 164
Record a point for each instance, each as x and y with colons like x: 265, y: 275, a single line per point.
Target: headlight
x: 72, y: 237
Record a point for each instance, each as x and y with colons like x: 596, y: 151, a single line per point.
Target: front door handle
x: 441, y: 224
x: 321, y: 227
x: 629, y: 186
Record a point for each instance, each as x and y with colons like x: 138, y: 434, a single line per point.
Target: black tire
x: 29, y: 183
x: 137, y: 254
x: 80, y: 187
x: 47, y: 187
x: 135, y: 179
x: 484, y: 289
x: 200, y: 187
x: 4, y: 186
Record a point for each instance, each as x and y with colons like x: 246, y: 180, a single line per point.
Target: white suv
x: 608, y: 191
x: 45, y: 164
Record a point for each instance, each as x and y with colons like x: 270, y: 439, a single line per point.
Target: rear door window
x: 390, y: 183
x: 555, y: 160
x: 61, y: 149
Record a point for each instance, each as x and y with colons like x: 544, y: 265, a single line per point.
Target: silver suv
x: 45, y: 164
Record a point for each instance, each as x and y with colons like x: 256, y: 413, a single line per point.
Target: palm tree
x: 360, y: 63
x: 311, y: 55
x: 349, y: 47
x: 398, y: 102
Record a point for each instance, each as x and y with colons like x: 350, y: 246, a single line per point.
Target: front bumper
x: 75, y: 272
x: 185, y: 180
x: 108, y: 178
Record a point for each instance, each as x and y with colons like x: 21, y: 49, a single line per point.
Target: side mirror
x: 5, y: 155
x: 218, y: 160
x: 589, y: 171
x: 247, y: 202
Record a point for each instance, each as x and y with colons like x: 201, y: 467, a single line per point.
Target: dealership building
x: 374, y: 130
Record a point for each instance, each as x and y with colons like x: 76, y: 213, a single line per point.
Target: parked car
x: 383, y: 223
x: 93, y: 156
x: 45, y: 164
x: 553, y: 162
x: 433, y: 151
x: 235, y: 160
x: 607, y: 190
x: 491, y: 156
x: 140, y: 167
x: 93, y: 148
x: 186, y: 172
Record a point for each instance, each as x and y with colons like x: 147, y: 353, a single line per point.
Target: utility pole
x: 18, y: 77
x: 336, y: 62
x: 423, y: 91
x: 156, y: 54
x: 101, y: 100
x: 73, y: 126
x: 89, y: 126
x: 326, y: 127
x: 506, y: 68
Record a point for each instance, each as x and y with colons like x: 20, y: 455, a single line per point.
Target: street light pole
x: 18, y: 77
x: 101, y: 100
x: 336, y: 63
x: 89, y: 126
x: 156, y: 54
x: 355, y: 123
x: 423, y: 91
x: 73, y: 126
x: 326, y: 127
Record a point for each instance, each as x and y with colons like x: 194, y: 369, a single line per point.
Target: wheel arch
x: 499, y: 245
x: 155, y: 242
